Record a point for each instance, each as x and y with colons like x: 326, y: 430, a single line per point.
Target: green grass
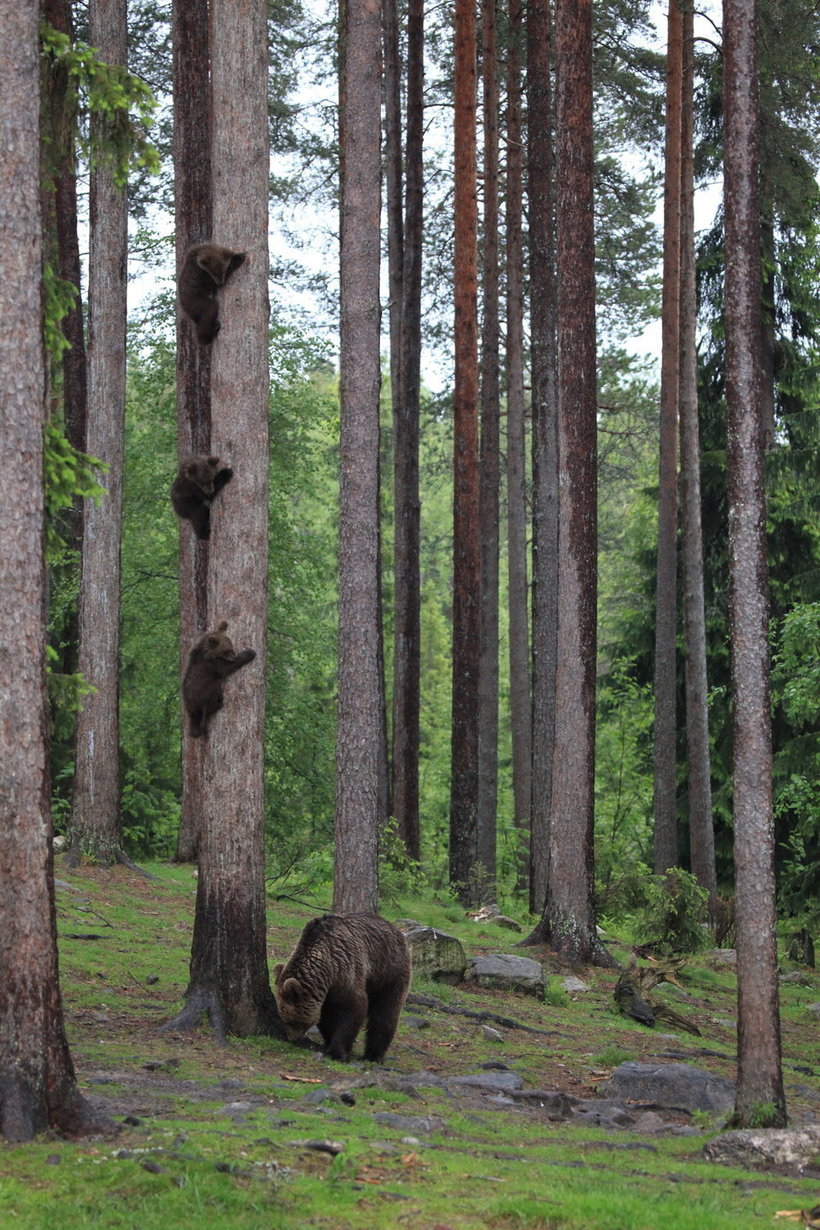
x: 190, y: 1158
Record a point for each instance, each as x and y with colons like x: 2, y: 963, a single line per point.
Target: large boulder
x: 506, y: 973
x: 767, y: 1147
x: 436, y: 955
x: 675, y: 1086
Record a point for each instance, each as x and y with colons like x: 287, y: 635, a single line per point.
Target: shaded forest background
x: 304, y: 459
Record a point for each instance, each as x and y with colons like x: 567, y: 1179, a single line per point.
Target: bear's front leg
x: 339, y: 1023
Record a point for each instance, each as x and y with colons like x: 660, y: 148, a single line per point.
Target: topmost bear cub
x: 205, y: 267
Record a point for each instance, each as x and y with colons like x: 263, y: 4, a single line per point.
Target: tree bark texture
x: 568, y: 911
x: 96, y: 827
x: 37, y: 1083
x: 701, y: 828
x: 229, y: 970
x: 359, y: 728
x: 544, y: 368
x: 407, y: 504
x: 466, y: 547
x: 193, y: 200
x: 520, y: 698
x: 760, y: 1081
x: 666, y: 604
x: 489, y: 467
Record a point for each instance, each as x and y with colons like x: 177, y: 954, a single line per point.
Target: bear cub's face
x: 297, y: 1007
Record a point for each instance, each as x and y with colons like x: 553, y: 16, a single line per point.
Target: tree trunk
x: 229, y: 971
x: 357, y: 741
x: 520, y: 700
x: 193, y: 200
x: 701, y: 829
x: 96, y: 826
x: 38, y: 1089
x: 466, y: 547
x: 489, y: 472
x: 406, y: 528
x: 568, y: 920
x: 540, y: 191
x: 666, y: 605
x: 760, y: 1099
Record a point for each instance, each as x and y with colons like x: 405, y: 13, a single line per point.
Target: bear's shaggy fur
x: 211, y: 660
x: 205, y: 267
x: 346, y: 968
x: 198, y: 482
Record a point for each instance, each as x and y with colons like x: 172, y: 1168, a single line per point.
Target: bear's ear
x: 213, y: 462
x: 292, y: 989
x: 223, y: 627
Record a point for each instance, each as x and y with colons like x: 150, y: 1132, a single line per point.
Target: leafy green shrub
x: 673, y: 919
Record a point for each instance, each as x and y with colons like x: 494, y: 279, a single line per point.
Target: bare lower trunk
x: 38, y: 1089
x: 355, y: 885
x: 96, y: 826
x: 760, y: 1098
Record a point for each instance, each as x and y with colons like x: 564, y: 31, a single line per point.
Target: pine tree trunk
x: 568, y: 920
x: 96, y: 825
x: 359, y: 729
x: 760, y: 1099
x: 406, y: 527
x: 520, y: 700
x: 229, y: 971
x: 543, y: 290
x: 193, y: 201
x: 466, y: 547
x: 666, y: 606
x: 37, y: 1084
x: 489, y: 470
x: 701, y: 828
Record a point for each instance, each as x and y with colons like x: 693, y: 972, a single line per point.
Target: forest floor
x: 261, y: 1134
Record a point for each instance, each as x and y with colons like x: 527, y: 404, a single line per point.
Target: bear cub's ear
x: 292, y: 989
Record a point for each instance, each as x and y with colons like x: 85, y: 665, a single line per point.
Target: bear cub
x: 198, y: 482
x: 211, y: 660
x: 346, y: 968
x: 205, y: 267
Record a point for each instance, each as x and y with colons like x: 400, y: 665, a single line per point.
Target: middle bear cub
x: 211, y: 660
x: 346, y: 968
x: 198, y: 482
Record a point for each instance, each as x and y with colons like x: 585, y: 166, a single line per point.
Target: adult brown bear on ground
x: 346, y: 968
x: 211, y: 660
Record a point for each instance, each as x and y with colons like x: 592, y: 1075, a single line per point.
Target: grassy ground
x: 220, y: 1135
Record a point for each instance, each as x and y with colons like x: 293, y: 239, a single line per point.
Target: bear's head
x: 217, y: 644
x: 202, y: 472
x: 298, y: 1007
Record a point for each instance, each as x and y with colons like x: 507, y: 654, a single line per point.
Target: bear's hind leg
x: 383, y: 1014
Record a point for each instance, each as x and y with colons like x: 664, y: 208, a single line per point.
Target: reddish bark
x: 759, y: 1079
x: 466, y: 546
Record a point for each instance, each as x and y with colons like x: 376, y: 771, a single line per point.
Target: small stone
x: 574, y: 985
x: 492, y: 1035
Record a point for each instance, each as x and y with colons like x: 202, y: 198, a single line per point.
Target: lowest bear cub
x: 346, y: 968
x: 205, y: 267
x: 198, y: 482
x: 211, y: 660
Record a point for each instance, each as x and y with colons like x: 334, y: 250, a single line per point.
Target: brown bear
x: 198, y: 482
x: 205, y: 267
x: 211, y: 660
x: 346, y: 968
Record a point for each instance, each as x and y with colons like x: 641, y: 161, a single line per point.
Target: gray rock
x: 574, y: 985
x: 676, y: 1086
x: 413, y: 1125
x: 726, y: 956
x: 814, y: 1009
x: 504, y: 972
x: 492, y: 1035
x: 765, y: 1147
x: 491, y: 1082
x: 436, y: 955
x: 557, y: 1106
